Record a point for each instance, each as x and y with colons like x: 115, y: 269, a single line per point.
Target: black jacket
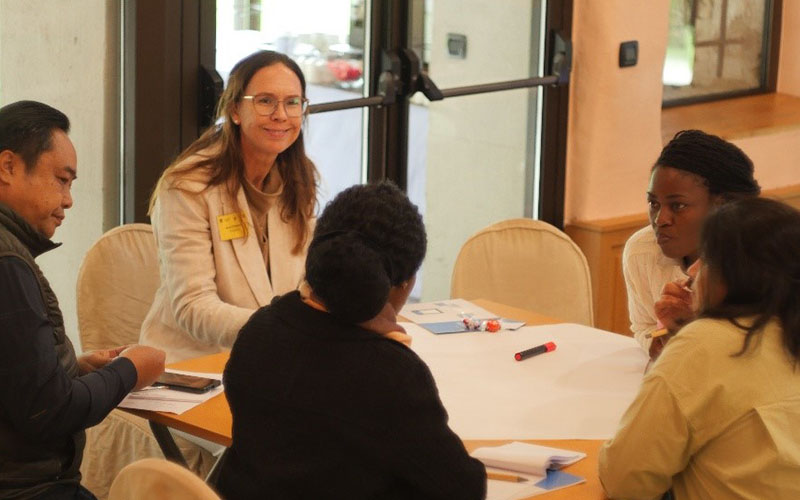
x: 322, y: 409
x: 44, y: 404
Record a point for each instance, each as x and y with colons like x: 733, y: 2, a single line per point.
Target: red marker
x: 533, y: 351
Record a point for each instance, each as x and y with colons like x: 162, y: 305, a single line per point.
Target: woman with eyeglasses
x: 718, y: 415
x: 233, y: 214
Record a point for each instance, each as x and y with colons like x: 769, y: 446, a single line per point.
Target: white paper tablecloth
x: 578, y: 391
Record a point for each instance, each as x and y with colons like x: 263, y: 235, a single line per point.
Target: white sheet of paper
x: 578, y: 391
x: 505, y: 490
x: 444, y: 310
x: 170, y: 400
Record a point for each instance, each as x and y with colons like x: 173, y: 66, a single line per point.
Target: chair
x: 159, y: 479
x: 116, y: 285
x: 529, y: 264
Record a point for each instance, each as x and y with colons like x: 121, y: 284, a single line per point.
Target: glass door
x: 473, y: 159
x: 463, y: 103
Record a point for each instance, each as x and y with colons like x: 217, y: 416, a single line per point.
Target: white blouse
x: 646, y: 271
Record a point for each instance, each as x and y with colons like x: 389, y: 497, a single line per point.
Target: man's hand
x: 91, y: 361
x: 149, y: 363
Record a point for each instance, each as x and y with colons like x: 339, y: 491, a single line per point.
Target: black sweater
x: 322, y: 409
x: 44, y: 404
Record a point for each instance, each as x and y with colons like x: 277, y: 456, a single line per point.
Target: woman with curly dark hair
x: 328, y: 401
x: 718, y: 415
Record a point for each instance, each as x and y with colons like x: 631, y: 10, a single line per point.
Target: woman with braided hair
x: 695, y: 173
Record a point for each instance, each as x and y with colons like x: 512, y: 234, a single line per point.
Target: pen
x: 533, y: 351
x: 504, y: 476
x: 687, y: 285
x: 656, y: 334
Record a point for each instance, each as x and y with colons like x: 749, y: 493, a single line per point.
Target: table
x: 212, y: 419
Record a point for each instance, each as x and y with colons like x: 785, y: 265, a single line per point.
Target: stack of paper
x: 537, y: 466
x: 159, y: 398
x: 527, y: 458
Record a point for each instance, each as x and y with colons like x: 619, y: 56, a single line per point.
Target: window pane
x: 462, y: 40
x: 472, y: 159
x: 474, y: 172
x: 714, y: 47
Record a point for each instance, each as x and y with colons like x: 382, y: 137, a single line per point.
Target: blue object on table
x: 558, y: 479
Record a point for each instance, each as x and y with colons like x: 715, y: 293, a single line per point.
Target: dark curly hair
x: 752, y: 245
x: 726, y: 170
x: 26, y: 128
x: 367, y: 240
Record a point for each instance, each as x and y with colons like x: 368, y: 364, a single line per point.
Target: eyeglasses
x: 265, y: 104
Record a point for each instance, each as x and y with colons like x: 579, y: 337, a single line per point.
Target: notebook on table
x: 537, y: 467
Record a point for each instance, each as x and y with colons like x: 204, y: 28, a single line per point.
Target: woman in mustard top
x: 718, y: 415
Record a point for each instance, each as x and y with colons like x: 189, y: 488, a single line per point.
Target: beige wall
x: 67, y: 57
x: 615, y: 113
x: 789, y: 66
x: 775, y: 156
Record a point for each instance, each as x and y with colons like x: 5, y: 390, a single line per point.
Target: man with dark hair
x: 48, y: 396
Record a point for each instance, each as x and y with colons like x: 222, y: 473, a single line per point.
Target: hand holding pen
x: 674, y: 309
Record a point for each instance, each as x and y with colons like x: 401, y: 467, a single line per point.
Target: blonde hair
x: 220, y: 153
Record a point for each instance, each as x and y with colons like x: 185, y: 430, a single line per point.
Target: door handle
x: 211, y: 85
x: 561, y: 63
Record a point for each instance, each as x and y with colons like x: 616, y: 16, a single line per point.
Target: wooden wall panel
x: 602, y: 242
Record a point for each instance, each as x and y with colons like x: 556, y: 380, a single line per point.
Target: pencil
x: 503, y: 476
x: 656, y: 334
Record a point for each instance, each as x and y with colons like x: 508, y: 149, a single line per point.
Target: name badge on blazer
x: 231, y: 226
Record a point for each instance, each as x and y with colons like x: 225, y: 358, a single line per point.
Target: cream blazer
x: 210, y: 287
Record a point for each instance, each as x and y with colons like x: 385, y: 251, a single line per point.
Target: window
x: 719, y: 49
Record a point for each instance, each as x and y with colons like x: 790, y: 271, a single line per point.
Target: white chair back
x: 116, y: 285
x: 529, y: 264
x: 158, y: 479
